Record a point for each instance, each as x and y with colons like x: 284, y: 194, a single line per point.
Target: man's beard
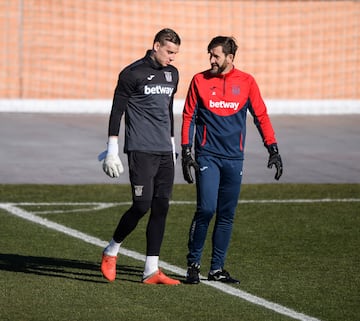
x: 216, y: 69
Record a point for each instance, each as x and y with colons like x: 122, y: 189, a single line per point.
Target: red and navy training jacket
x: 216, y: 106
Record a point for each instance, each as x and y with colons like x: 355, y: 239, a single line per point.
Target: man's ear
x: 156, y: 46
x: 230, y: 57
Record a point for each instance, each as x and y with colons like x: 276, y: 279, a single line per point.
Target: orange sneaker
x: 160, y: 278
x: 108, y: 267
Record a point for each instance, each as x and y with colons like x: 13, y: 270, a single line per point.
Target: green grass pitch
x: 295, y: 246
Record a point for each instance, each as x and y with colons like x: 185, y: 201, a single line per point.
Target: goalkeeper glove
x: 275, y: 159
x: 112, y: 165
x: 187, y: 162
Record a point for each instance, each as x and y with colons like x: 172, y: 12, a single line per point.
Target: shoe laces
x: 194, y: 269
x: 225, y: 273
x: 195, y: 266
x: 221, y: 273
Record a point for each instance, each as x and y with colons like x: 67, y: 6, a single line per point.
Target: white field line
x: 13, y: 209
x: 99, y: 205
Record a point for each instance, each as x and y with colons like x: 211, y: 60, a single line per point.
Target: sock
x: 151, y: 265
x: 112, y: 249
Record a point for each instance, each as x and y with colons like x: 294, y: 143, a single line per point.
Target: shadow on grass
x: 86, y: 271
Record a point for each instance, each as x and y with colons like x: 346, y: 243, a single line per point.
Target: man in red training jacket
x: 215, y: 111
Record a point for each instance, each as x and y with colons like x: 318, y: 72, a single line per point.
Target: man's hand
x: 187, y: 162
x: 275, y: 159
x: 112, y: 166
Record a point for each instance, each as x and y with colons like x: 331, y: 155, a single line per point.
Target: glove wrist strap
x: 186, y: 151
x: 113, y: 147
x: 273, y: 149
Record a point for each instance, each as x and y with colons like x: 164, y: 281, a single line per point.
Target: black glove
x: 187, y: 162
x: 275, y: 159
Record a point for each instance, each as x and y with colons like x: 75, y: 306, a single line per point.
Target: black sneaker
x: 222, y: 276
x: 192, y: 274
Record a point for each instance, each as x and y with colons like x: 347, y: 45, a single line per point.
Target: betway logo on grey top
x: 224, y: 104
x: 158, y: 90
